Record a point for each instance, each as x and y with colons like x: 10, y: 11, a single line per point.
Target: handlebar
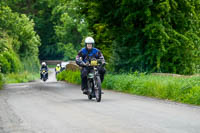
x: 88, y: 65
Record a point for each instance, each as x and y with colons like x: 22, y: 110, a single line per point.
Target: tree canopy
x: 147, y: 35
x: 134, y: 35
x: 18, y: 42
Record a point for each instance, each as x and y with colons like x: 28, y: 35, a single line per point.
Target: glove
x: 82, y: 64
x: 103, y: 63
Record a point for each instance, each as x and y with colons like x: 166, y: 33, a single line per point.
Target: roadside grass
x: 20, y: 77
x: 69, y: 76
x: 1, y: 81
x: 185, y: 90
x: 179, y: 89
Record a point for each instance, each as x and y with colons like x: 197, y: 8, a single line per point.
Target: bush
x: 18, y: 42
x: 70, y: 76
x: 15, y: 63
x: 1, y: 80
x: 9, y: 62
x: 4, y: 64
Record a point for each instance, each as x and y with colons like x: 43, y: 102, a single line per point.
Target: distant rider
x: 85, y: 55
x: 58, y: 68
x: 43, y: 66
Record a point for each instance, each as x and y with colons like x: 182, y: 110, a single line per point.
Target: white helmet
x: 89, y: 40
x: 58, y: 65
x: 43, y: 64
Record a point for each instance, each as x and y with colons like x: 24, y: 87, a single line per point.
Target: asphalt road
x: 57, y: 107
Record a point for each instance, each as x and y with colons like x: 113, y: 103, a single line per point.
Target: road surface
x: 58, y: 107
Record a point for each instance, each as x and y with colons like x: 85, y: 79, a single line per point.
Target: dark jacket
x: 88, y: 55
x: 44, y: 67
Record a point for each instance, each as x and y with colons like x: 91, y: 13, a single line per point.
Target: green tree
x: 70, y: 28
x: 58, y: 23
x: 18, y: 41
x: 147, y: 35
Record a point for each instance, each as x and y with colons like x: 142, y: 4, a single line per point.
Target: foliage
x: 58, y: 23
x: 136, y: 35
x: 1, y: 81
x: 18, y: 46
x: 147, y: 35
x: 19, y: 42
x: 20, y: 77
x: 70, y: 76
x: 173, y: 88
x: 70, y: 28
x: 10, y: 63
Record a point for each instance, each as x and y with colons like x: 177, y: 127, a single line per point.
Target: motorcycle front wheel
x: 89, y: 97
x: 44, y: 78
x: 98, y: 89
x: 90, y: 85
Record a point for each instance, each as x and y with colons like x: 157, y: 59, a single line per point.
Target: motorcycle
x: 44, y: 74
x: 93, y: 80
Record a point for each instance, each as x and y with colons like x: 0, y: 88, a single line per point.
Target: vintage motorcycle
x: 93, y: 79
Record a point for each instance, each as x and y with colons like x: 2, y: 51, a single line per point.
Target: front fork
x: 95, y: 82
x: 93, y: 86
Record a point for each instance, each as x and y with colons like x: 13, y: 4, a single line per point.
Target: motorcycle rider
x: 84, y: 56
x: 43, y: 66
x: 58, y: 68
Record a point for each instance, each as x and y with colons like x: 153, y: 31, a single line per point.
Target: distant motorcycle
x: 93, y: 80
x: 44, y: 74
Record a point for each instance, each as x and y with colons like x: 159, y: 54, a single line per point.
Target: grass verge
x: 70, y: 76
x: 1, y: 81
x: 180, y: 89
x: 20, y: 77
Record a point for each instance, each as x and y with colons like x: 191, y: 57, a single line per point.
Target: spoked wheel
x: 89, y: 97
x: 98, y: 89
x: 44, y: 78
x: 90, y: 85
